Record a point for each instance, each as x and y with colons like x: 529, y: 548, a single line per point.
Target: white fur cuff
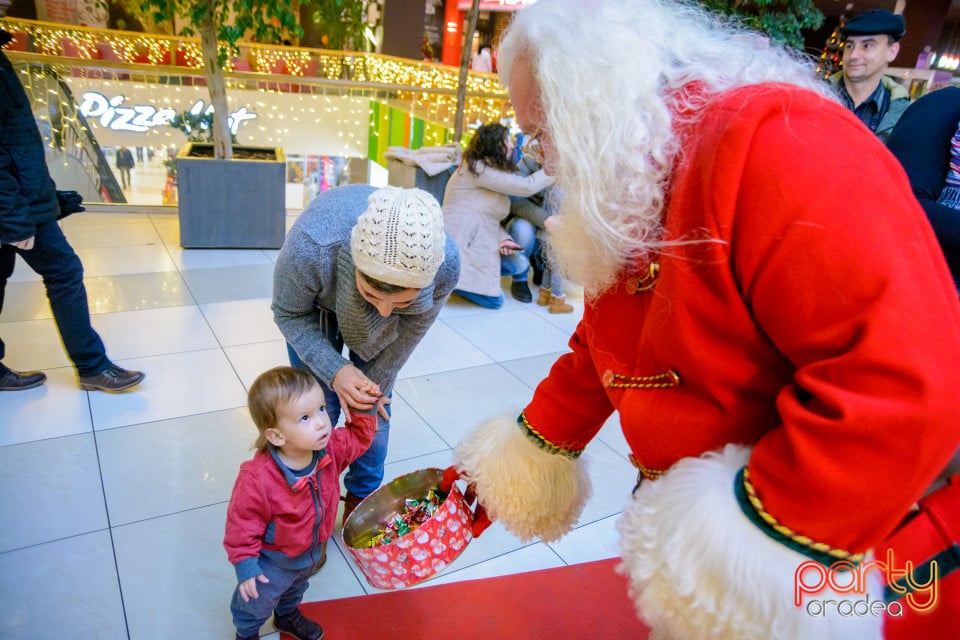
x: 529, y: 490
x: 698, y: 568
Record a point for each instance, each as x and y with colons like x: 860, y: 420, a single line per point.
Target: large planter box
x: 231, y: 204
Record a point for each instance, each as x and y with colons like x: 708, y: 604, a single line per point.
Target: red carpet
x: 580, y: 601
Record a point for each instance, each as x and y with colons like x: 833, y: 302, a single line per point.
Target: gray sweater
x: 315, y: 273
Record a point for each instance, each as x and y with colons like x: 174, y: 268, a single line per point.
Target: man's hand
x: 248, y: 588
x: 24, y: 245
x: 355, y: 390
x: 70, y: 202
x: 508, y: 247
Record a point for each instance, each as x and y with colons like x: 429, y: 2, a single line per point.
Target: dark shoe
x: 349, y: 504
x: 323, y: 558
x: 19, y: 380
x: 298, y: 625
x: 537, y: 275
x: 113, y: 378
x: 520, y: 291
x: 255, y: 637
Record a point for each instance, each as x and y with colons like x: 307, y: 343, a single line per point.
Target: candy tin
x: 405, y: 559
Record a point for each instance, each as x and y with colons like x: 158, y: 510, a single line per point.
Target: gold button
x: 632, y: 285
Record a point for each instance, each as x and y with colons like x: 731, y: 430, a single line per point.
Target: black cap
x: 876, y: 22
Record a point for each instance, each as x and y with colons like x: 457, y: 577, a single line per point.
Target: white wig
x: 610, y: 76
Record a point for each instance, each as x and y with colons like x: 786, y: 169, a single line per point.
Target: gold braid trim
x: 667, y: 380
x: 645, y: 472
x: 543, y: 443
x: 789, y: 533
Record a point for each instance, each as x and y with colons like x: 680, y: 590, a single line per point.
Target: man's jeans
x: 366, y: 472
x: 517, y: 264
x: 55, y: 261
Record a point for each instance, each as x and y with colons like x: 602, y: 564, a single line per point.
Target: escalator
x: 74, y: 157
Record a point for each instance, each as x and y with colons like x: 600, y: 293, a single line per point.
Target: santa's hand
x: 480, y: 518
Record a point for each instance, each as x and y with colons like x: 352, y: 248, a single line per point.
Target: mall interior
x: 114, y: 504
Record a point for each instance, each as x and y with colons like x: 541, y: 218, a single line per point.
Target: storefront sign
x: 138, y: 118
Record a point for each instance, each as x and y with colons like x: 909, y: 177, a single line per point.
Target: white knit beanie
x: 399, y: 238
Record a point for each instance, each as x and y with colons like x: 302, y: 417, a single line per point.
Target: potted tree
x: 229, y: 196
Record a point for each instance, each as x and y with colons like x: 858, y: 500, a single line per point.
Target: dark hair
x: 489, y: 147
x: 484, y: 45
x: 381, y: 286
x: 269, y: 390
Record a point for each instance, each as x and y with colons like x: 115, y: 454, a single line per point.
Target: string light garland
x: 424, y: 90
x: 307, y: 101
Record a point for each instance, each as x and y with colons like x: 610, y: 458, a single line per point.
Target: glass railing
x: 361, y: 103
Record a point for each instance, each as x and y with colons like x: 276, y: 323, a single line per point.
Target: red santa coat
x: 809, y: 317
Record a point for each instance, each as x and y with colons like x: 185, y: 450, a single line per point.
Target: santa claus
x: 768, y: 312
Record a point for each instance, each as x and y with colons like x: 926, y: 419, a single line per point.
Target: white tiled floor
x: 113, y: 505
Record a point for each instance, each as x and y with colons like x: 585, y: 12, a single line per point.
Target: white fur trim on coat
x: 529, y: 490
x: 698, y: 568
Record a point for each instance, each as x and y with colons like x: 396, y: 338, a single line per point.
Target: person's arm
x: 526, y: 209
x: 354, y: 438
x: 247, y: 516
x: 540, y: 450
x: 303, y: 273
x: 946, y: 225
x: 15, y: 222
x: 513, y: 184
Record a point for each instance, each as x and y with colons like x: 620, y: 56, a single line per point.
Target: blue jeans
x: 487, y: 302
x: 282, y: 594
x: 57, y: 263
x: 518, y: 264
x: 366, y: 472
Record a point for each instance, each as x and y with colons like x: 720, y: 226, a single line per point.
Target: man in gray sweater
x: 369, y: 268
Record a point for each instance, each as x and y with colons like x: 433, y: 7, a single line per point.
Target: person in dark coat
x: 921, y: 142
x: 28, y: 226
x: 124, y: 164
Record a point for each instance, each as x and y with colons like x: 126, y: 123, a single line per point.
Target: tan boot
x: 558, y: 304
x: 544, y: 298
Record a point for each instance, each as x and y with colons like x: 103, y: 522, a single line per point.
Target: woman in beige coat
x: 476, y: 200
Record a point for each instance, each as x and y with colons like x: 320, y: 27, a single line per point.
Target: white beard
x: 589, y: 257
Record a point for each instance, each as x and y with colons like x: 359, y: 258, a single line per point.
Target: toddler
x: 284, y: 501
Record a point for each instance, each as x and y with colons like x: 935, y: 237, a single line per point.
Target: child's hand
x: 382, y: 408
x: 248, y: 588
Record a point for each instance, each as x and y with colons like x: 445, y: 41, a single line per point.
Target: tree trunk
x: 464, y: 69
x: 222, y: 148
x: 311, y: 31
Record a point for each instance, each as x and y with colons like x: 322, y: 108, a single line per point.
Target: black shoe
x: 253, y: 637
x: 113, y: 378
x: 18, y: 381
x: 520, y: 291
x: 537, y: 275
x: 298, y: 625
